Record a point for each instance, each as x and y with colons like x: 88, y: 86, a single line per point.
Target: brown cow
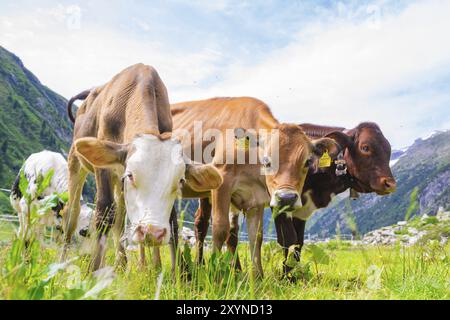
x: 364, y: 167
x: 244, y: 187
x: 122, y: 134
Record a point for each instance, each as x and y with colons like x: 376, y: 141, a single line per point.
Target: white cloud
x: 71, y: 59
x: 226, y: 6
x: 363, y: 62
x: 344, y: 72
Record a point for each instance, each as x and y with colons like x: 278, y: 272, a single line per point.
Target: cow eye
x: 365, y: 148
x: 130, y: 177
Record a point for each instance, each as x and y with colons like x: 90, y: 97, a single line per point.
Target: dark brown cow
x: 365, y: 168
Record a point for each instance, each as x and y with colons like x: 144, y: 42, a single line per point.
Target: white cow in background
x: 40, y: 164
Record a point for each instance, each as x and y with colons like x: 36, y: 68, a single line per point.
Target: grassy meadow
x: 336, y: 270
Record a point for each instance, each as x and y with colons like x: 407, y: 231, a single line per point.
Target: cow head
x: 367, y: 154
x: 297, y: 154
x: 153, y: 171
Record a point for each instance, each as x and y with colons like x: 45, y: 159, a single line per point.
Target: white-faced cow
x: 122, y: 134
x: 37, y: 167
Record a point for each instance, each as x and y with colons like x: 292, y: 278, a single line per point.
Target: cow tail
x: 81, y: 96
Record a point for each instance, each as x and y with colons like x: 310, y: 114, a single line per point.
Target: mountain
x: 423, y: 186
x: 32, y: 118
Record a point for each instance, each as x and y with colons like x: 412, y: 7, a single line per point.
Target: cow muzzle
x: 150, y: 235
x: 286, y: 199
x: 388, y: 185
x: 84, y: 232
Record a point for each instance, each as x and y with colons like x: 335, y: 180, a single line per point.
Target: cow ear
x: 100, y: 153
x: 344, y: 140
x: 203, y: 177
x: 322, y: 145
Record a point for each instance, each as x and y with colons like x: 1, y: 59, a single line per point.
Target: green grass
x: 349, y: 272
x: 5, y: 206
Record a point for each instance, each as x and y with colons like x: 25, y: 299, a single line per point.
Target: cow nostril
x: 288, y: 198
x: 84, y: 232
x: 389, y: 183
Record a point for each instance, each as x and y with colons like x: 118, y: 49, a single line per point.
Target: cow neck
x: 350, y: 181
x: 347, y: 180
x: 341, y: 182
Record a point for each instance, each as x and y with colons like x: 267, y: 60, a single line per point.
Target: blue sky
x: 326, y: 62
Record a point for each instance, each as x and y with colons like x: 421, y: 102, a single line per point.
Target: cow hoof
x: 142, y: 266
x: 185, y: 270
x: 289, y: 275
x: 121, y: 264
x: 291, y: 278
x: 184, y: 274
x: 200, y: 262
x: 237, y: 266
x: 258, y: 274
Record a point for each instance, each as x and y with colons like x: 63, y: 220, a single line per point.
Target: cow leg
x: 233, y: 238
x: 119, y: 227
x: 255, y: 234
x: 77, y: 178
x: 173, y: 244
x: 40, y: 232
x: 142, y: 262
x: 23, y: 211
x: 175, y: 249
x: 156, y: 258
x: 104, y: 215
x: 286, y: 237
x: 299, y: 226
x: 22, y: 223
x: 202, y: 216
x: 221, y: 199
x: 173, y: 239
x: 56, y: 235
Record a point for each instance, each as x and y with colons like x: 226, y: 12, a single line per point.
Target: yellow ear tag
x: 242, y: 143
x: 325, y: 160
